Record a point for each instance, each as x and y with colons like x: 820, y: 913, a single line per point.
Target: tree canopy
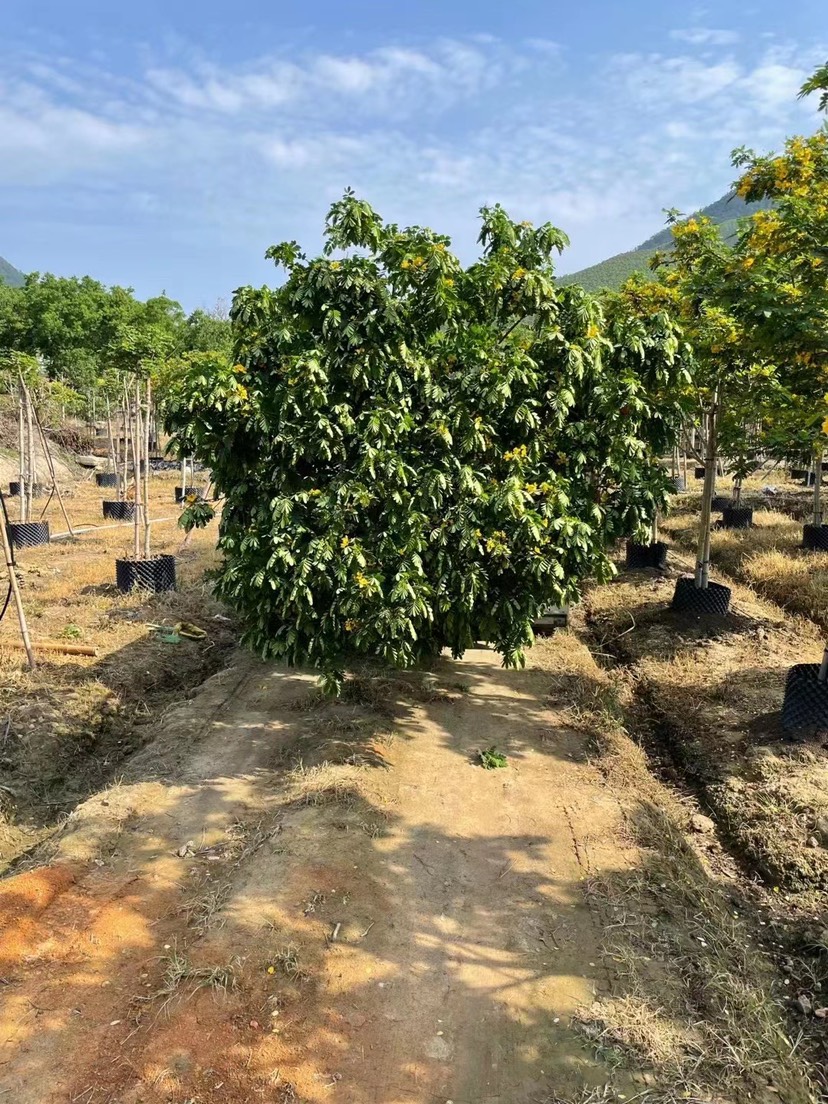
x: 417, y: 455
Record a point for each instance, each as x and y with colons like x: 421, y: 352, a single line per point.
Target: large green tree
x: 417, y: 455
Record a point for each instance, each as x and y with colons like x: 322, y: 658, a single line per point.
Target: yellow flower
x: 350, y: 625
x: 241, y: 391
x: 519, y: 273
x: 336, y: 264
x: 314, y: 492
x: 344, y: 542
x: 531, y: 488
x: 239, y: 369
x: 592, y: 331
x: 271, y: 969
x: 362, y: 580
x: 406, y: 264
x: 449, y: 282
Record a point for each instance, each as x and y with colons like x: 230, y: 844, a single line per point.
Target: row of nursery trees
x: 88, y: 339
x: 416, y: 455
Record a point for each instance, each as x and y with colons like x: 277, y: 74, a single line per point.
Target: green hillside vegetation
x: 10, y: 275
x: 611, y: 273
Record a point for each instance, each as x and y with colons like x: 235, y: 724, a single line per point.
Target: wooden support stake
x: 18, y: 601
x: 47, y: 452
x: 55, y: 646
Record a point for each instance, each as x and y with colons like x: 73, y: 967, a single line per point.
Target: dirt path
x: 292, y: 901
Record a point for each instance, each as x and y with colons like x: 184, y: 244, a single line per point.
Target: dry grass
x: 768, y: 558
x: 66, y: 726
x: 706, y: 702
x: 182, y: 979
x: 700, y: 1005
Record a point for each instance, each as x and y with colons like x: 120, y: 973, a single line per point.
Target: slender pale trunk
x: 125, y: 470
x: 30, y: 450
x: 50, y: 464
x: 654, y: 528
x: 18, y: 601
x: 737, y: 491
x: 703, y: 554
x: 135, y: 436
x: 818, y: 488
x: 183, y: 477
x: 684, y: 468
x: 113, y: 455
x: 145, y: 480
x: 21, y: 435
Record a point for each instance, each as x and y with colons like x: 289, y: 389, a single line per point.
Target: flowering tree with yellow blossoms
x: 779, y: 286
x: 727, y: 382
x: 417, y: 455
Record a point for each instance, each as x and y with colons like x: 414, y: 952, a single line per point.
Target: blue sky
x: 166, y: 145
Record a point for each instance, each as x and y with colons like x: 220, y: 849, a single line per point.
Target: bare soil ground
x: 66, y: 727
x: 291, y: 899
x: 248, y: 892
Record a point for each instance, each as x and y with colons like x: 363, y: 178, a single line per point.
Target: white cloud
x: 705, y: 36
x: 233, y: 157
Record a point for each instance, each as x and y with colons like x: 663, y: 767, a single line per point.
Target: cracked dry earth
x: 284, y: 900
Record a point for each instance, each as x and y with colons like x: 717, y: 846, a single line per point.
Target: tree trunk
x: 737, y: 491
x: 818, y: 487
x: 124, y: 477
x: 21, y: 446
x: 145, y: 480
x: 30, y: 451
x: 134, y: 438
x: 703, y: 555
x: 113, y: 455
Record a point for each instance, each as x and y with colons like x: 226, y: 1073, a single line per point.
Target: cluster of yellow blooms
x: 496, y: 543
x: 362, y: 581
x: 415, y: 262
x: 518, y: 453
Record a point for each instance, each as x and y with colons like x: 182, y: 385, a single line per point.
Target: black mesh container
x: 805, y: 704
x: 156, y: 574
x: 688, y: 598
x: 38, y: 490
x: 640, y: 556
x: 28, y: 534
x: 737, y: 517
x: 815, y: 537
x: 118, y: 511
x: 106, y: 479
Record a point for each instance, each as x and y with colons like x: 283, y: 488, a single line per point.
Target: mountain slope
x: 10, y: 275
x: 611, y: 273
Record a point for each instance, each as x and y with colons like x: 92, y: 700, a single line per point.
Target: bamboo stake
x: 47, y: 452
x: 50, y: 646
x: 18, y: 601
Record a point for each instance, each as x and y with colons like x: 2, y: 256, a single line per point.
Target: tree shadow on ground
x: 258, y: 912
